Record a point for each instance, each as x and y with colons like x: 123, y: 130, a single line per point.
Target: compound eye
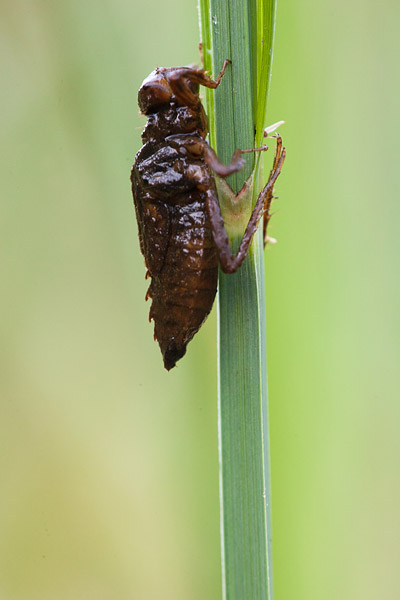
x: 153, y: 95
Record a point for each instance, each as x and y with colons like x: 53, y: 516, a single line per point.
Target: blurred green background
x: 109, y: 474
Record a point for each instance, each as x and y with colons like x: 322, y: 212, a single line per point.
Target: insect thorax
x: 174, y: 119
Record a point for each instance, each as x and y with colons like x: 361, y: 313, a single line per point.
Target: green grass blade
x: 243, y: 438
x: 266, y: 13
x: 243, y: 32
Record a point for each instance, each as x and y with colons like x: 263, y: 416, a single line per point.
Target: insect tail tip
x: 172, y: 354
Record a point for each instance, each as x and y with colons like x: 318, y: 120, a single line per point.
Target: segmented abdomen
x: 183, y: 291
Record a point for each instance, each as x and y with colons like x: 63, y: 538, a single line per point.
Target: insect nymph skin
x: 181, y: 231
x: 168, y: 178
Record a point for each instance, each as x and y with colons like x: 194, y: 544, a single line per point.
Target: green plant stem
x: 242, y: 30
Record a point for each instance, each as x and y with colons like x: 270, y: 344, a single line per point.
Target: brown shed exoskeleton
x: 181, y: 230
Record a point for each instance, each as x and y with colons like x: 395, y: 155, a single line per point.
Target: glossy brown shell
x: 169, y: 179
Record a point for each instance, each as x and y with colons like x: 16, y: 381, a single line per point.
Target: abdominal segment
x: 183, y: 291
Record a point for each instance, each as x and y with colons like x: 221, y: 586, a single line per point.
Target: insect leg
x: 230, y: 263
x: 235, y: 165
x: 269, y: 193
x: 213, y: 84
x: 179, y: 81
